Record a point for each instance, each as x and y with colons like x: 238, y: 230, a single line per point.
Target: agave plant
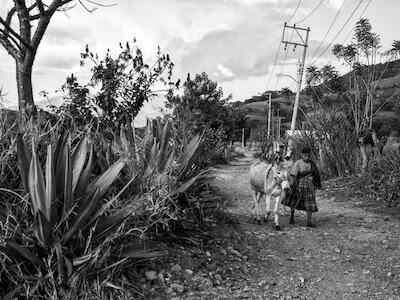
x: 71, y: 222
x: 162, y: 154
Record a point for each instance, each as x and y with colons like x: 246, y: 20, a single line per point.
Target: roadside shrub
x: 332, y: 140
x: 382, y: 179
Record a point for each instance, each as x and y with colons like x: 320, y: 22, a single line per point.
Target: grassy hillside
x: 386, y: 120
x: 257, y: 112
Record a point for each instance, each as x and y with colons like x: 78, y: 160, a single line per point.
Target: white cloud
x: 335, y: 3
x: 224, y: 71
x: 151, y: 109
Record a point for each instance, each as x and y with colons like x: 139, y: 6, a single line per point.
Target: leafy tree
x: 125, y: 83
x: 322, y: 81
x: 22, y: 44
x: 202, y: 108
x: 78, y: 106
x: 362, y: 55
x: 288, y: 94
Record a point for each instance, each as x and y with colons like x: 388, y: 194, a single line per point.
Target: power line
x: 341, y: 29
x: 280, y: 73
x: 273, y: 67
x: 315, y: 8
x: 279, y: 47
x: 284, y: 60
x: 352, y: 29
x: 297, y: 7
x: 329, y: 29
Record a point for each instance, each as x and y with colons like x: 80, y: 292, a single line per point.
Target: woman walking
x: 306, y: 179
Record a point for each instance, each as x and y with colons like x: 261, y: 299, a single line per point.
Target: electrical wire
x: 279, y: 47
x: 340, y: 30
x: 284, y: 61
x: 329, y: 29
x: 309, y: 15
x: 273, y: 67
x: 352, y: 29
x: 280, y: 73
x: 297, y: 7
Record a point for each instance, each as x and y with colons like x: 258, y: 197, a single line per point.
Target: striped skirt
x: 302, y: 196
x: 307, y: 193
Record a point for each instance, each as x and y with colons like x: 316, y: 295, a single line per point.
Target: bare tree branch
x: 10, y: 15
x: 12, y: 39
x: 8, y: 46
x: 100, y: 4
x: 40, y: 6
x: 8, y: 30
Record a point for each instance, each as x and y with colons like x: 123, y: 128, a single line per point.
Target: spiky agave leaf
x: 81, y: 218
x: 50, y: 186
x: 166, y: 160
x: 164, y: 149
x: 103, y: 182
x: 157, y: 129
x: 83, y: 181
x: 189, y: 155
x: 106, y: 206
x: 67, y: 184
x: 42, y: 229
x: 96, y: 191
x: 186, y: 186
x: 78, y: 161
x: 36, y: 184
x: 152, y: 160
x: 123, y: 138
x: 109, y: 225
x: 24, y: 158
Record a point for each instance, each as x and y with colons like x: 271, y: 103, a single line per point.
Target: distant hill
x: 257, y: 112
x: 256, y: 108
x: 43, y: 104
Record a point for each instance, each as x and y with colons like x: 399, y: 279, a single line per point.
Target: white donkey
x: 273, y: 181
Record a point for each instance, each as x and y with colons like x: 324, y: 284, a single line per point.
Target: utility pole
x: 269, y: 115
x: 243, y: 137
x: 279, y: 127
x: 273, y: 125
x: 302, y: 42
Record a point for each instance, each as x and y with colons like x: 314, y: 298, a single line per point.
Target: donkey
x: 271, y: 180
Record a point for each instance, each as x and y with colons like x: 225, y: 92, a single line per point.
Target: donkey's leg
x: 256, y: 197
x: 276, y: 212
x: 267, y: 206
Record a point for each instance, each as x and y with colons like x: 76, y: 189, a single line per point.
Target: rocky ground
x: 353, y: 253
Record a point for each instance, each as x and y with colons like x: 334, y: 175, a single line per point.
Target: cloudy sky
x: 234, y: 41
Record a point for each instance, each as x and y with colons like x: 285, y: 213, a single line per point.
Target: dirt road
x: 352, y: 253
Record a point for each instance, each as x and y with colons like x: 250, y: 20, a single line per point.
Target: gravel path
x: 353, y: 253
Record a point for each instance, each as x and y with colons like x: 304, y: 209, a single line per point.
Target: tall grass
x: 381, y: 181
x: 332, y: 141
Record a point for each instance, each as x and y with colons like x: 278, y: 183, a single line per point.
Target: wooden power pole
x: 242, y: 137
x: 269, y: 115
x: 302, y: 41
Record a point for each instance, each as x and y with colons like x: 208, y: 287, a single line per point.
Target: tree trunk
x: 364, y: 158
x: 25, y: 92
